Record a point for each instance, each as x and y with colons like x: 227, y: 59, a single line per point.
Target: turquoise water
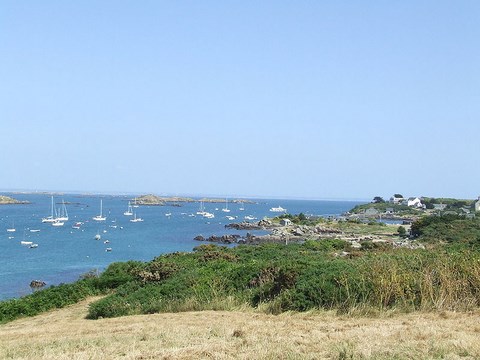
x: 64, y: 253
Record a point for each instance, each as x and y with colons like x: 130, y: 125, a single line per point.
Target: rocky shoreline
x: 292, y: 233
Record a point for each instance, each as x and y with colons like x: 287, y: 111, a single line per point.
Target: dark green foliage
x: 401, y: 231
x: 47, y: 299
x: 378, y: 199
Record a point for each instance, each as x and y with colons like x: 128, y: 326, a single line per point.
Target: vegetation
x: 318, y: 274
x: 381, y: 207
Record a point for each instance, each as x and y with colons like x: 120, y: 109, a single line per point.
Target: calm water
x: 64, y: 253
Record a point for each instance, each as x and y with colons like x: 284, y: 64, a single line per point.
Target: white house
x: 396, y: 199
x: 477, y: 205
x: 414, y: 202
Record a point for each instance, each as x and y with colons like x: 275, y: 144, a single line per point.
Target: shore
x: 354, y: 233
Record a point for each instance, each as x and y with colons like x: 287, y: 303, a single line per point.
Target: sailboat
x: 226, y: 209
x: 62, y: 214
x: 135, y: 219
x: 201, y: 210
x: 51, y: 218
x: 135, y: 203
x: 100, y: 217
x: 129, y: 211
x: 12, y: 229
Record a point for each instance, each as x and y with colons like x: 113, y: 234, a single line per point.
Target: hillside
x: 66, y: 334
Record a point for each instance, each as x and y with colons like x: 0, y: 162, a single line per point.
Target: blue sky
x: 308, y: 99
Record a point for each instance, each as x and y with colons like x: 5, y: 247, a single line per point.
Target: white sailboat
x: 135, y: 219
x: 12, y: 229
x: 62, y: 214
x: 226, y: 209
x: 201, y: 210
x: 129, y: 211
x: 51, y: 218
x: 100, y: 217
x: 135, y: 203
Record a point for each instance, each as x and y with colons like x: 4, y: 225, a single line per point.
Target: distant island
x: 6, y: 200
x: 156, y: 200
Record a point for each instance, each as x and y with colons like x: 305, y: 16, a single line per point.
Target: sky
x: 292, y: 99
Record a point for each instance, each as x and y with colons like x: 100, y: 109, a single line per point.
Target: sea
x: 64, y: 253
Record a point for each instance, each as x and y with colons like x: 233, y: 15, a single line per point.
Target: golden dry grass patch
x: 66, y: 334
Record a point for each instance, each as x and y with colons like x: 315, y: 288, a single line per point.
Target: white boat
x: 168, y: 214
x: 51, y: 218
x: 201, y: 210
x: 230, y: 217
x: 12, y: 229
x: 98, y: 236
x: 26, y: 242
x: 250, y: 217
x: 100, y: 217
x: 34, y: 230
x: 77, y: 225
x: 135, y: 219
x: 278, y: 209
x: 242, y: 208
x: 108, y: 249
x: 33, y: 246
x: 62, y: 213
x: 226, y: 209
x: 129, y: 211
x: 208, y: 215
x: 135, y: 203
x: 58, y: 223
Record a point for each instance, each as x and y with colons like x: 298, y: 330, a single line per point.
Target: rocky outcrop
x: 224, y: 239
x: 7, y: 200
x: 245, y: 225
x: 37, y: 283
x: 150, y: 200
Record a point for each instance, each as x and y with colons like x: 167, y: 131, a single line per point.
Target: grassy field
x: 244, y: 334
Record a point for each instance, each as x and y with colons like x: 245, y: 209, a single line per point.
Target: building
x: 397, y: 199
x: 414, y: 202
x: 285, y: 222
x: 477, y: 205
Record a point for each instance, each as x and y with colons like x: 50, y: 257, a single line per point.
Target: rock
x: 224, y: 239
x: 298, y: 232
x: 37, y: 283
x: 244, y: 225
x: 199, y: 238
x: 265, y: 223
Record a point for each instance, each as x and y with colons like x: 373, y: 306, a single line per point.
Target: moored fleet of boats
x: 59, y: 215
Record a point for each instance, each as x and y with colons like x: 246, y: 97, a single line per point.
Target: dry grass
x: 65, y: 334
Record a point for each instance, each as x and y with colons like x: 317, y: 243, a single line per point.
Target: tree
x: 398, y: 196
x: 378, y: 199
x: 401, y: 231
